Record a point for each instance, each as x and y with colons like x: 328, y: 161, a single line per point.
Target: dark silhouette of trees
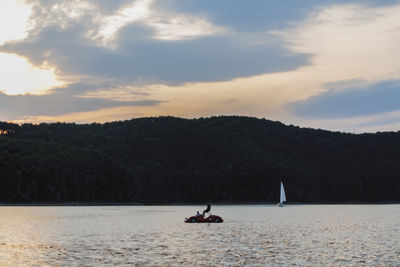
x: 217, y: 159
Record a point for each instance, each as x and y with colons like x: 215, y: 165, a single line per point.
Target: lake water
x: 156, y: 235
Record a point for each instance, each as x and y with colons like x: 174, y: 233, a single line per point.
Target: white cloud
x: 104, y: 28
x: 167, y: 26
x: 14, y: 16
x: 60, y: 13
x: 136, y: 11
x: 72, y: 9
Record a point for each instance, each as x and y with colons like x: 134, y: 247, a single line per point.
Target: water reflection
x: 253, y: 235
x: 25, y: 234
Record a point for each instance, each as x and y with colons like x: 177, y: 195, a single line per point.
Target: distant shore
x: 74, y: 204
x: 229, y: 160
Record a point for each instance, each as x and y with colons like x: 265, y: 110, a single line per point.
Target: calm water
x: 250, y: 235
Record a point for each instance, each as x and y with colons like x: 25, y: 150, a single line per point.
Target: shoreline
x: 98, y: 204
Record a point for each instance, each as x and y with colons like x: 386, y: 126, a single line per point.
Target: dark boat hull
x: 200, y: 219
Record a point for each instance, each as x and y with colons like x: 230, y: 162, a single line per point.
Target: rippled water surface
x: 156, y: 235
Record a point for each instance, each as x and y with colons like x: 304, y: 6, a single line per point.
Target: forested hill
x: 173, y: 160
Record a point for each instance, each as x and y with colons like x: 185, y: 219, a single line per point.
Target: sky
x: 330, y: 64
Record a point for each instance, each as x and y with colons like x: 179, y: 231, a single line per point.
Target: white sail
x: 283, y: 195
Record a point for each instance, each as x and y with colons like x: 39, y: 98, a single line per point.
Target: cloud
x: 350, y: 41
x: 166, y: 26
x: 108, y: 7
x: 376, y: 98
x: 208, y: 57
x: 149, y: 51
x: 14, y: 17
x: 337, y: 85
x: 243, y: 16
x: 142, y: 59
x: 17, y: 107
x: 35, y: 80
x: 256, y: 15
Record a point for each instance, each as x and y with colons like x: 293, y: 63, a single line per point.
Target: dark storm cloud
x: 357, y: 101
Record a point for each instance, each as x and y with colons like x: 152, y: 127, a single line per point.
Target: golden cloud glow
x: 351, y: 41
x: 104, y: 115
x: 18, y: 76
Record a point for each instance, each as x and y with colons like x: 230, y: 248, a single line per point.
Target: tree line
x: 173, y: 160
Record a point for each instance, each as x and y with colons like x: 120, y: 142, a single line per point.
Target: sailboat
x: 283, y: 196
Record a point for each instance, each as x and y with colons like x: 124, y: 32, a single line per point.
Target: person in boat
x: 198, y: 214
x: 206, y: 210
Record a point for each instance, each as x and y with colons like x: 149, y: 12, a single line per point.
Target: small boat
x: 282, y: 197
x: 202, y: 219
